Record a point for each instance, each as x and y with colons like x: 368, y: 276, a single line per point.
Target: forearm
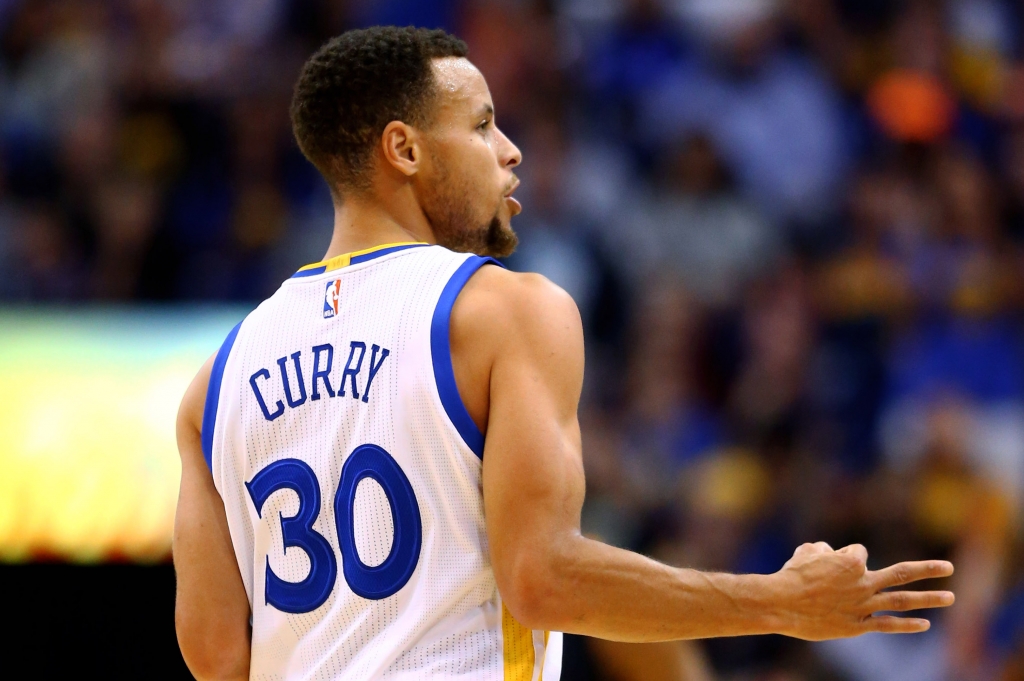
x: 211, y: 613
x: 594, y: 589
x: 213, y: 636
x: 211, y: 610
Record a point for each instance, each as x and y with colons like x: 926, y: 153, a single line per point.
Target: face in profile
x: 466, y: 185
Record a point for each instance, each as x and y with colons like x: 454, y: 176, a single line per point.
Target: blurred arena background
x: 795, y: 231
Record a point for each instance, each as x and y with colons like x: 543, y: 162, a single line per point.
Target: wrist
x: 760, y: 604
x: 774, y: 605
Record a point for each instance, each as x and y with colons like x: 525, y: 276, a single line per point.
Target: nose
x: 508, y: 155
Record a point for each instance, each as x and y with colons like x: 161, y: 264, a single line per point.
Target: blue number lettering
x: 391, y: 575
x: 373, y: 583
x: 311, y: 592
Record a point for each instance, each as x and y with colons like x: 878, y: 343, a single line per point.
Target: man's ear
x: 402, y: 147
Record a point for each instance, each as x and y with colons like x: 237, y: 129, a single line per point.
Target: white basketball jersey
x: 351, y: 477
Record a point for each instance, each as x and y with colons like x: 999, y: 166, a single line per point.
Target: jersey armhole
x: 213, y: 395
x: 441, y: 354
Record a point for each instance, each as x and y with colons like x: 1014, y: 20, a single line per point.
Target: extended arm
x: 211, y: 613
x: 521, y: 338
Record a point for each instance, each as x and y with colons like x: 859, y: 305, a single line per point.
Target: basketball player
x: 381, y: 467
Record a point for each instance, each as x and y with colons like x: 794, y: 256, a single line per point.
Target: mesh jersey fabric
x: 336, y: 437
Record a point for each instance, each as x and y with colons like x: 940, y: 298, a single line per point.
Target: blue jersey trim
x: 346, y: 259
x: 356, y: 259
x: 441, y: 354
x: 310, y: 272
x: 213, y: 394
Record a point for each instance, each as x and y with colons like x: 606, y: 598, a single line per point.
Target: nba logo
x: 331, y: 298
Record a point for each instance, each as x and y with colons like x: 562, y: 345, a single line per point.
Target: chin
x: 501, y: 240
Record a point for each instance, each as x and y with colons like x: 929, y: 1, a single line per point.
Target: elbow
x: 532, y: 592
x: 212, y: 654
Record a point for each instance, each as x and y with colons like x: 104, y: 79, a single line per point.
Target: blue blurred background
x: 795, y: 231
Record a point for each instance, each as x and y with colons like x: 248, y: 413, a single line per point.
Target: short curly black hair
x: 356, y: 84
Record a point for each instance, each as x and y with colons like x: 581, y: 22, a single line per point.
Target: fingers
x: 902, y: 601
x: 887, y: 624
x: 905, y: 573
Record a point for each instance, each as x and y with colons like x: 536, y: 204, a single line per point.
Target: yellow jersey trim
x: 519, y: 654
x: 355, y: 257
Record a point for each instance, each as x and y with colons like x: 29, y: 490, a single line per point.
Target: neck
x: 364, y: 222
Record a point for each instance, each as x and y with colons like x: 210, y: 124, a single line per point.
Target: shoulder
x: 514, y: 300
x: 503, y: 310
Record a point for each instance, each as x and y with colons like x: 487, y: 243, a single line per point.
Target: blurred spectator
x: 44, y: 263
x: 695, y: 226
x: 628, y: 59
x: 666, y: 423
x: 772, y: 113
x: 769, y: 388
x: 125, y: 214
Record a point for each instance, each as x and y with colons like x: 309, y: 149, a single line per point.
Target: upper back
x: 350, y: 472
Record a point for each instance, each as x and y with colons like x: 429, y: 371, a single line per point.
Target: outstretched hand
x: 832, y: 594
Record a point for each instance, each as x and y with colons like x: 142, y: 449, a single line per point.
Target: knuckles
x: 852, y: 561
x: 900, y: 574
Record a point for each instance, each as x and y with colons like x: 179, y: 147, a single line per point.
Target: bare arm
x: 517, y: 344
x: 211, y: 613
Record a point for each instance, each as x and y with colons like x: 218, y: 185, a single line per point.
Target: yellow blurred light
x: 88, y: 400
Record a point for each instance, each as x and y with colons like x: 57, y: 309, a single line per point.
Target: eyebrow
x: 487, y: 110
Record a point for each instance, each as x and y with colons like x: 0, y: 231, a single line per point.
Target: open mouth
x: 516, y: 206
x: 515, y: 186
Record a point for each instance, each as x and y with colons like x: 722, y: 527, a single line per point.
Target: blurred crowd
x: 795, y: 231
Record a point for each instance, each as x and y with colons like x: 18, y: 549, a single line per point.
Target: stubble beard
x: 496, y: 239
x: 450, y: 216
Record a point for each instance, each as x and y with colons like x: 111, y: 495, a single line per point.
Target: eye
x: 484, y: 125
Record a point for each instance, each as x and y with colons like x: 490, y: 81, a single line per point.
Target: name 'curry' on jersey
x: 351, y: 478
